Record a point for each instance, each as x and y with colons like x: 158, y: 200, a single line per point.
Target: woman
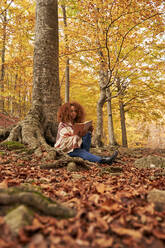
x: 74, y: 141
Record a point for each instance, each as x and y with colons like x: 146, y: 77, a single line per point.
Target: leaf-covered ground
x: 112, y: 209
x: 6, y: 120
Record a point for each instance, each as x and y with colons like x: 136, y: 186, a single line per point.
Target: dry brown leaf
x: 54, y: 239
x: 94, y: 198
x: 3, y: 243
x: 102, y: 224
x: 35, y: 225
x: 109, y: 206
x: 149, y: 208
x: 158, y: 234
x: 4, y: 184
x: 100, y: 187
x: 104, y: 242
x: 124, y: 231
x: 83, y: 243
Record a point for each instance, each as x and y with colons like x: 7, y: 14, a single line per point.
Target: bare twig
x: 125, y: 35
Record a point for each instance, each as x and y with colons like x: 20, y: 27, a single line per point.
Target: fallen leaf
x: 104, y: 242
x: 100, y: 187
x: 110, y: 205
x: 158, y: 234
x: 4, y: 184
x: 54, y: 240
x: 124, y: 231
x: 82, y: 242
x: 94, y: 198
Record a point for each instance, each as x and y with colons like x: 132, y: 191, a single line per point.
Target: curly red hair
x: 64, y: 111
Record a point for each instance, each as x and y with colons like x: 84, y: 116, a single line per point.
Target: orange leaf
x: 158, y: 234
x: 94, y: 198
x: 4, y: 184
x: 104, y: 242
x: 111, y: 207
x: 124, y: 231
x: 100, y: 187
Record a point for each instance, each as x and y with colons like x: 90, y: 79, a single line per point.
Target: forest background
x: 112, y: 45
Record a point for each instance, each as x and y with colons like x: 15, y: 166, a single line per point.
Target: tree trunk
x: 101, y: 102
x: 3, y: 63
x: 67, y: 83
x: 111, y: 134
x: 123, y: 125
x: 122, y: 116
x: 67, y: 80
x: 99, y: 129
x: 39, y: 127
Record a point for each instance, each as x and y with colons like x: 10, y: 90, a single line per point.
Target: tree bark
x: 3, y: 62
x: 67, y: 68
x: 34, y: 199
x: 39, y: 127
x: 123, y: 125
x: 67, y: 81
x: 101, y: 102
x: 111, y: 133
x: 122, y: 116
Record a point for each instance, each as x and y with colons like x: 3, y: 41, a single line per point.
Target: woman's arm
x: 67, y: 140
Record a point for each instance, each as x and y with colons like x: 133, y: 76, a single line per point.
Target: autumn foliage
x: 117, y: 45
x: 111, y: 203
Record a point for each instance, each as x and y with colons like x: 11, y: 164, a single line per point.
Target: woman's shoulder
x: 63, y: 124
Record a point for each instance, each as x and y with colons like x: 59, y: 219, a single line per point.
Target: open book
x: 83, y: 125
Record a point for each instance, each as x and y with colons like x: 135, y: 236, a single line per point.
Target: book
x: 83, y: 126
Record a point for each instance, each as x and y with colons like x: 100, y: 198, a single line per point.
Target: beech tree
x: 39, y: 127
x: 109, y: 32
x: 2, y: 72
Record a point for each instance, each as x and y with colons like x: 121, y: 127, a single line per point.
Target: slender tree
x: 122, y: 115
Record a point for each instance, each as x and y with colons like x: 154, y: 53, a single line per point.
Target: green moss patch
x: 12, y: 145
x: 2, y: 153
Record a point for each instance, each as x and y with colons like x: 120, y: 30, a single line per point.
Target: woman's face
x: 73, y: 113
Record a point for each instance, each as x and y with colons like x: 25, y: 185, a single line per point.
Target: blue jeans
x: 83, y: 152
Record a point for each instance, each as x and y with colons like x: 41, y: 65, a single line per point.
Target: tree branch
x: 6, y: 7
x: 121, y: 45
x: 83, y: 50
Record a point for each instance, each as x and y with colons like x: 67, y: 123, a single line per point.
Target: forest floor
x: 6, y: 120
x: 112, y: 208
x: 110, y: 201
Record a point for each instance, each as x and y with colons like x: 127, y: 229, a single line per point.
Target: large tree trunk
x: 39, y: 127
x: 3, y: 62
x: 67, y: 68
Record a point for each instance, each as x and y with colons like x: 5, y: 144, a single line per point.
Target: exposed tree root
x: 33, y: 131
x: 65, y: 160
x: 35, y: 200
x: 4, y: 132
